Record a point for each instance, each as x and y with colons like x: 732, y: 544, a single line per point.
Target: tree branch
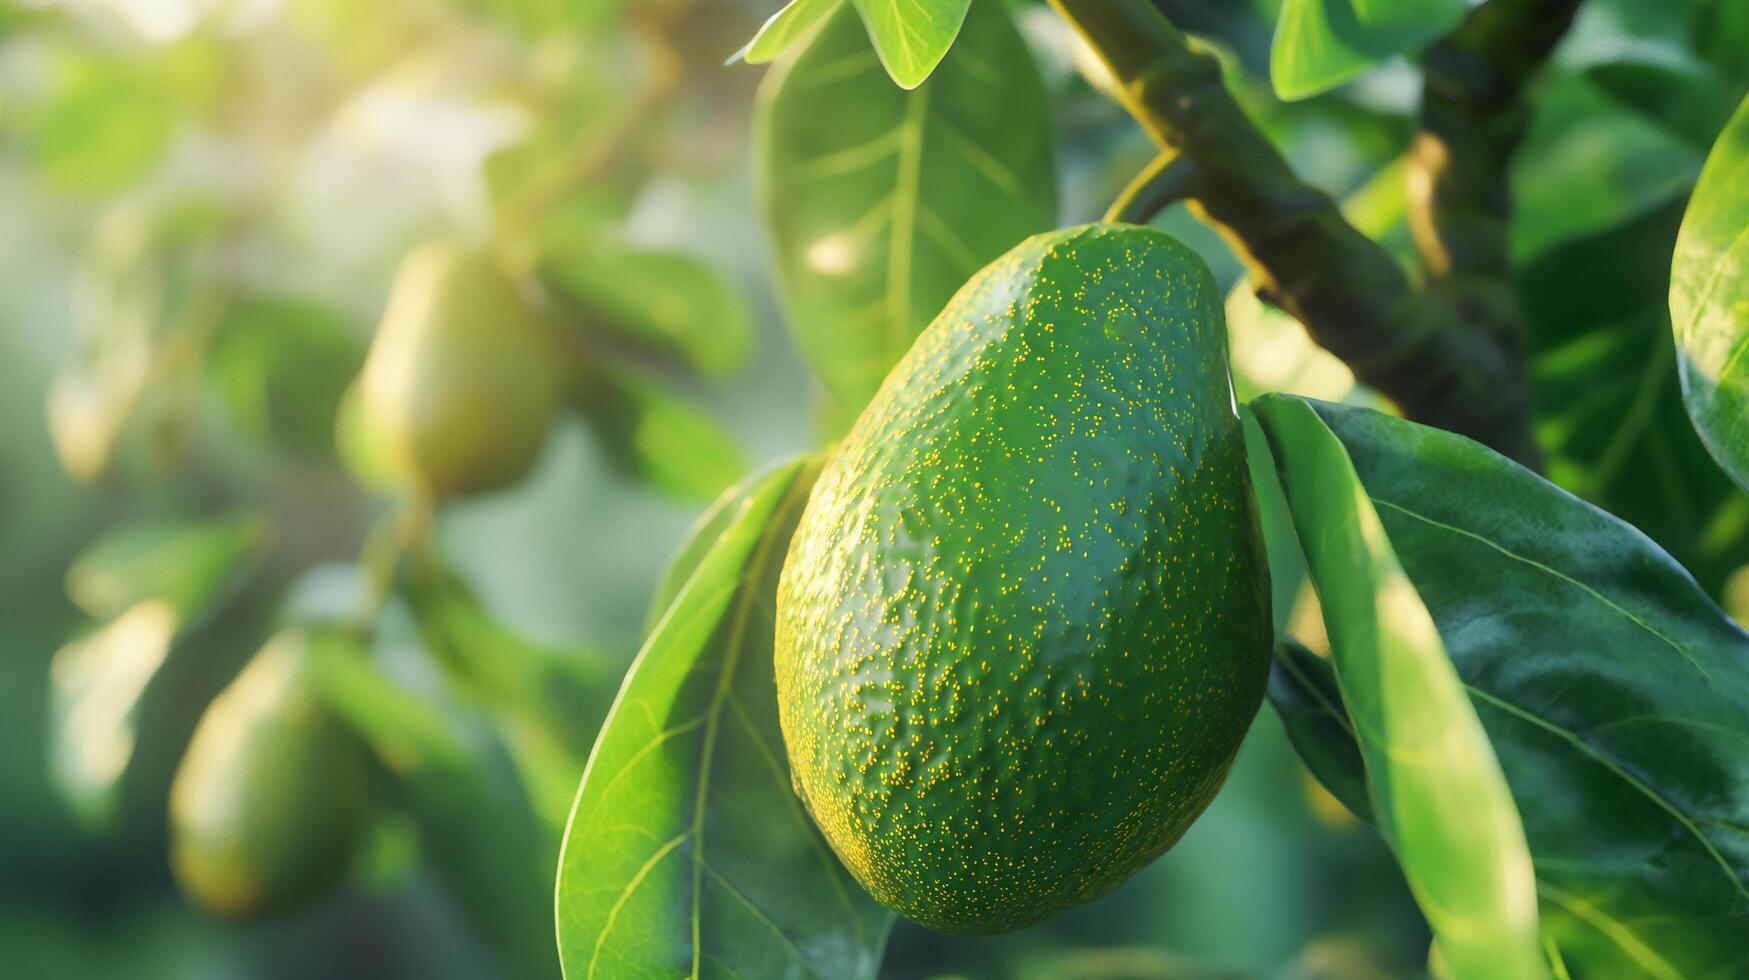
x: 1299, y: 252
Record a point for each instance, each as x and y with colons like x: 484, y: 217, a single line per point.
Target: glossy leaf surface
x: 688, y: 852
x: 1319, y: 44
x: 882, y: 202
x: 912, y: 36
x: 1709, y: 299
x: 1612, y: 690
x: 1434, y: 782
x: 784, y: 29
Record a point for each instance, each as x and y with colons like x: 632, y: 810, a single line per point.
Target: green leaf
x: 95, y: 686
x: 1304, y: 693
x: 688, y: 852
x: 1588, y: 164
x: 881, y: 202
x: 1609, y: 405
x: 485, y: 844
x: 700, y: 539
x: 655, y: 435
x: 669, y: 303
x: 1319, y: 44
x: 1686, y: 98
x: 105, y: 124
x: 784, y: 29
x: 1612, y: 690
x: 1709, y: 299
x: 189, y: 565
x: 912, y: 36
x: 282, y: 365
x: 1433, y: 778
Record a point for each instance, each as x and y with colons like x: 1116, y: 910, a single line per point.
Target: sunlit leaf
x: 1709, y: 299
x: 1319, y: 44
x: 688, y: 852
x: 1432, y: 777
x: 1612, y: 689
x: 95, y: 686
x: 784, y: 29
x: 912, y: 36
x: 882, y: 202
x: 104, y: 125
x: 668, y: 302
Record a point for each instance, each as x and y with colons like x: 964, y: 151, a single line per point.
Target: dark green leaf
x: 912, y: 36
x: 1588, y: 164
x: 1319, y: 44
x: 1688, y: 99
x: 1608, y: 400
x: 1303, y: 691
x: 1434, y: 781
x: 1613, y: 690
x: 667, y: 302
x: 882, y: 202
x: 688, y: 852
x: 189, y: 565
x: 1709, y: 299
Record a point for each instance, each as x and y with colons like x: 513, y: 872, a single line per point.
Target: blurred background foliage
x: 205, y: 204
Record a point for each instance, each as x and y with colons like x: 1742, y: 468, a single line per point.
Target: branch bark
x: 1300, y: 253
x: 1473, y: 118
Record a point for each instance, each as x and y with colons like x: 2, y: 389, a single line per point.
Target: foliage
x: 363, y: 362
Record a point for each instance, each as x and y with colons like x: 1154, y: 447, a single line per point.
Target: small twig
x: 1168, y: 180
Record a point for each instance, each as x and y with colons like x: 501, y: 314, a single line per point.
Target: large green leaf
x: 882, y: 202
x: 1434, y: 783
x: 1608, y: 400
x: 912, y: 36
x: 1615, y: 694
x: 1319, y: 44
x: 1304, y: 694
x: 688, y: 852
x: 1709, y: 299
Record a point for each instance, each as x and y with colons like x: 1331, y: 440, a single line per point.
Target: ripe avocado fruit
x: 274, y: 793
x: 463, y: 378
x: 1024, y: 623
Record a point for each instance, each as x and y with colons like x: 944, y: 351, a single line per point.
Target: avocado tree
x: 1378, y: 361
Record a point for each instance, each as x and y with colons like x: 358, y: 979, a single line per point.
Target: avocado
x: 463, y: 377
x: 274, y: 792
x: 1024, y: 622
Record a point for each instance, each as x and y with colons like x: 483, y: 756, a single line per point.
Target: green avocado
x: 273, y: 795
x: 463, y: 378
x: 1024, y: 622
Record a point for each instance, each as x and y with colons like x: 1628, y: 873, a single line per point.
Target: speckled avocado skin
x: 1024, y: 623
